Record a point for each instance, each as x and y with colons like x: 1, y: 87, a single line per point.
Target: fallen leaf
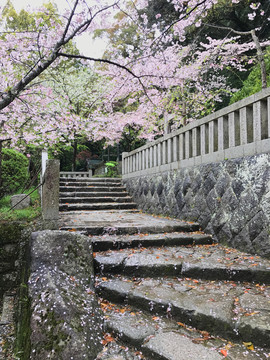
x: 249, y: 345
x: 107, y: 339
x: 224, y: 352
x: 252, y: 313
x: 181, y: 324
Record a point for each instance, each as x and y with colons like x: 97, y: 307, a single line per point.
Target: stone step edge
x: 193, y: 318
x: 93, y: 194
x: 91, y: 185
x: 142, y: 343
x: 184, y: 270
x: 81, y: 178
x: 180, y: 239
x: 131, y: 230
x: 184, y: 337
x: 99, y: 206
x: 97, y: 200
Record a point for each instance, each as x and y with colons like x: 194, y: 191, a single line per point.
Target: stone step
x: 100, y: 199
x: 96, y: 206
x: 92, y: 194
x: 159, y: 337
x: 212, y: 262
x: 113, y: 242
x: 236, y: 311
x: 91, y: 188
x: 121, y: 223
x: 91, y: 180
x: 90, y: 183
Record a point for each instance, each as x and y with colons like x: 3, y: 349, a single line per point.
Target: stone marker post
x: 50, y: 194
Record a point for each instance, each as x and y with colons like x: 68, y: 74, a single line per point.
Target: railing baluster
x: 202, y: 131
x: 175, y: 148
x: 159, y: 154
x: 187, y: 148
x: 257, y: 128
x: 231, y: 130
x: 181, y: 146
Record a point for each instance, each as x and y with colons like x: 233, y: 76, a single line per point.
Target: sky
x: 85, y: 44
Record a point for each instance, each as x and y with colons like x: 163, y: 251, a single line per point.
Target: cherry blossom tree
x: 162, y: 75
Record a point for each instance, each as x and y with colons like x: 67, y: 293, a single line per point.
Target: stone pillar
x: 44, y: 158
x: 50, y: 194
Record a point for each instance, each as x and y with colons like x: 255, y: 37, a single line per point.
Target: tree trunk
x: 260, y: 59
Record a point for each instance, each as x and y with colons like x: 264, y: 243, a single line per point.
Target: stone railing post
x: 44, y: 158
x: 50, y: 194
x: 124, y: 163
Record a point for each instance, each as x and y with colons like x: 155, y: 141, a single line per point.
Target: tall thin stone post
x: 50, y: 194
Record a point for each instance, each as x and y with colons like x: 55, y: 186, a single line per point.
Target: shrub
x: 111, y: 168
x: 14, y: 171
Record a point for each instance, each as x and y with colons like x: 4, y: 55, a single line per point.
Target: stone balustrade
x: 241, y: 129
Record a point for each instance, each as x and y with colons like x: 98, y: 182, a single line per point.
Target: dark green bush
x: 14, y: 171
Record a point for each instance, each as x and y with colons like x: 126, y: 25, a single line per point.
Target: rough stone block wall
x: 230, y: 199
x: 10, y: 252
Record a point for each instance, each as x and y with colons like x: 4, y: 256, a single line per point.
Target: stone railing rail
x: 238, y: 130
x: 74, y: 174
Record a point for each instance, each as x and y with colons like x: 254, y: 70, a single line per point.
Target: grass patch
x: 30, y: 213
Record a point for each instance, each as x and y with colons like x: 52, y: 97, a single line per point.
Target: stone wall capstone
x: 229, y: 199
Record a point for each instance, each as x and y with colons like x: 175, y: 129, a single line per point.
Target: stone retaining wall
x: 11, y: 243
x: 230, y: 199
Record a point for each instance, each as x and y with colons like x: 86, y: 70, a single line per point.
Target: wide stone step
x: 121, y: 229
x: 113, y: 242
x: 96, y: 206
x: 90, y: 183
x: 121, y: 222
x: 160, y: 337
x: 90, y: 200
x: 91, y: 180
x: 92, y: 194
x: 91, y: 188
x: 213, y: 262
x: 238, y: 312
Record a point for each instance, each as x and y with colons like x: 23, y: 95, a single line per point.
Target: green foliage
x: 111, y: 167
x: 30, y: 213
x: 253, y: 83
x: 14, y: 171
x: 25, y: 21
x: 65, y: 155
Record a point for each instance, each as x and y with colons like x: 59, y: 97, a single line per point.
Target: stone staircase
x: 93, y: 194
x: 180, y: 296
x: 167, y: 290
